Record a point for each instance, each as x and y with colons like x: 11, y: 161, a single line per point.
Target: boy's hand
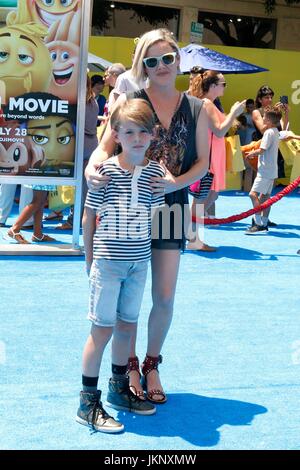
x: 251, y: 154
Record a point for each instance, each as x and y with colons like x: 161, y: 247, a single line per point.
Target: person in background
x: 110, y: 77
x: 250, y: 125
x: 7, y: 197
x: 97, y: 84
x: 245, y: 131
x: 264, y: 99
x: 196, y: 70
x: 209, y: 86
x: 90, y: 143
x: 126, y: 82
x: 267, y: 169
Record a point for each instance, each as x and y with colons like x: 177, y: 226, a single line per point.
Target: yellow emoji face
x: 49, y: 11
x: 65, y: 69
x: 25, y: 64
x: 55, y: 136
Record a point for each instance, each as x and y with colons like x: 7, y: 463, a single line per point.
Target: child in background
x: 117, y: 240
x: 267, y: 170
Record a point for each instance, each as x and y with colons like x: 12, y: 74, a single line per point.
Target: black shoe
x: 91, y: 413
x: 120, y: 397
x: 271, y: 224
x: 256, y: 229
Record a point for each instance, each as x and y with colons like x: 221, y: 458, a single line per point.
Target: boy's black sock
x: 118, y: 372
x: 89, y: 384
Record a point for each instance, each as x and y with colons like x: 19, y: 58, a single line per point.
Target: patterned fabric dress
x: 176, y: 148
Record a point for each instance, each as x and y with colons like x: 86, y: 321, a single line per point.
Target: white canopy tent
x: 97, y: 64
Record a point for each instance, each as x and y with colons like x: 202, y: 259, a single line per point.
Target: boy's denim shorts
x: 262, y: 185
x: 116, y: 291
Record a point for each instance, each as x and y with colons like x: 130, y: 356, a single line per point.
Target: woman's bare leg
x: 29, y: 210
x: 165, y: 266
x: 195, y: 241
x: 38, y: 216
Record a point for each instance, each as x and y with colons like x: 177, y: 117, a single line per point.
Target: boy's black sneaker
x: 91, y: 413
x: 271, y: 224
x: 256, y: 230
x: 120, y: 397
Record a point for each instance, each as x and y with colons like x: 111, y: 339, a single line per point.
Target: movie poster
x: 39, y: 72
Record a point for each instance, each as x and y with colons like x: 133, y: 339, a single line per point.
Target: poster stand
x: 58, y: 249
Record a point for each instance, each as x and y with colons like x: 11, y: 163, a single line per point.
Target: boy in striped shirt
x: 117, y: 240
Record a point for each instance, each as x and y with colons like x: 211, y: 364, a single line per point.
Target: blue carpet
x: 231, y: 360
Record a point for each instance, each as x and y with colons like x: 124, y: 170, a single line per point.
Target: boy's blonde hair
x: 146, y: 41
x: 135, y: 110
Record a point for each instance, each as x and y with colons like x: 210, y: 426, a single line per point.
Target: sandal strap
x: 16, y: 236
x: 133, y: 364
x: 34, y: 237
x: 151, y: 363
x: 152, y: 392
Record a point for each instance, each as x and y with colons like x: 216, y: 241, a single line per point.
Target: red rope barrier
x: 234, y: 218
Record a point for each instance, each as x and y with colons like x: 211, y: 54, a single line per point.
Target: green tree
x: 102, y: 13
x: 246, y: 31
x: 271, y: 4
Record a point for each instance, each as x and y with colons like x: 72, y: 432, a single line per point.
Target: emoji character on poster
x: 25, y: 64
x: 50, y: 131
x: 14, y: 158
x: 17, y: 157
x: 55, y: 138
x: 63, y: 43
x: 45, y: 12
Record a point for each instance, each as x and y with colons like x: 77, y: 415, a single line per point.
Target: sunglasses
x: 222, y: 83
x: 166, y: 59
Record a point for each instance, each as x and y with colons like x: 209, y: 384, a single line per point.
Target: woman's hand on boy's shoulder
x: 94, y: 179
x: 165, y: 184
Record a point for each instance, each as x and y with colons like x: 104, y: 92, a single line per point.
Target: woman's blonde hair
x: 146, y: 41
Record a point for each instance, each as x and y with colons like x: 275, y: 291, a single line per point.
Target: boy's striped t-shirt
x: 124, y: 209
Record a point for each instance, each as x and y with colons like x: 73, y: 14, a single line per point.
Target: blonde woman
x: 181, y: 143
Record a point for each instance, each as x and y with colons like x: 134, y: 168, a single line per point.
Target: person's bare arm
x: 254, y: 153
x: 258, y: 121
x: 292, y: 137
x: 284, y: 121
x: 89, y: 227
x: 220, y: 129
